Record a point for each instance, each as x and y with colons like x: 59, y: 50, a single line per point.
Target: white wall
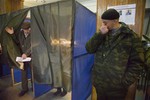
x: 147, y: 4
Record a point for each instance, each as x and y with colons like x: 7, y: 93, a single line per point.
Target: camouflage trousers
x: 109, y: 93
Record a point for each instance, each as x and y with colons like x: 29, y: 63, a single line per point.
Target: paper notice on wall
x: 127, y: 13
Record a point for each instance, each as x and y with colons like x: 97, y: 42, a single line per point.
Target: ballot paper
x: 20, y: 59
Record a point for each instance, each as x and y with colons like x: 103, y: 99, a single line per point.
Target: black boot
x: 63, y: 93
x: 57, y: 92
x: 23, y: 92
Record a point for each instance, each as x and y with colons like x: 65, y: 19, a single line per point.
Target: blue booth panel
x: 82, y: 85
x: 85, y: 27
x: 5, y: 70
x: 17, y: 75
x: 40, y: 89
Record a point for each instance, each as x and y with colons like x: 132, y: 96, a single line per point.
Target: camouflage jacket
x: 147, y: 62
x: 119, y: 57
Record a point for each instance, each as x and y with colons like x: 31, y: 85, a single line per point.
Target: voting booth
x: 59, y: 32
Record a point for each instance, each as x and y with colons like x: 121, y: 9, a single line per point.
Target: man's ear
x: 115, y: 20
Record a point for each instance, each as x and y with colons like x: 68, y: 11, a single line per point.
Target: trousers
x: 24, y: 76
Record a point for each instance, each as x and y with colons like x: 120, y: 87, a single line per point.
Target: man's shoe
x: 57, y: 92
x: 63, y: 93
x: 22, y: 93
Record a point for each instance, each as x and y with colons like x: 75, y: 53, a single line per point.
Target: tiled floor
x: 9, y: 92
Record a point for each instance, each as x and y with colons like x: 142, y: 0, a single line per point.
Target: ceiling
x: 90, y: 4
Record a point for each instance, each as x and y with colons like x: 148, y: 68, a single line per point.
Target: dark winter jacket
x: 119, y: 57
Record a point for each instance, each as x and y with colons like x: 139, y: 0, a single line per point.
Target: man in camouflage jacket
x: 119, y: 57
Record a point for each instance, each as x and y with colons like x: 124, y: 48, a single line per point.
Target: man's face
x: 27, y: 31
x: 109, y: 23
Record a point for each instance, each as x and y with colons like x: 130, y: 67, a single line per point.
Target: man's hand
x: 10, y: 30
x: 24, y: 56
x: 104, y: 29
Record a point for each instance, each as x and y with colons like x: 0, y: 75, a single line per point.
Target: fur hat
x: 25, y: 25
x: 110, y: 14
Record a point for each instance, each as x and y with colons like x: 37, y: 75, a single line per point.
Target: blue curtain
x: 85, y: 27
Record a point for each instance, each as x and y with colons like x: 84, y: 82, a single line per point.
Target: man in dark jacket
x: 23, y: 38
x: 119, y: 57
